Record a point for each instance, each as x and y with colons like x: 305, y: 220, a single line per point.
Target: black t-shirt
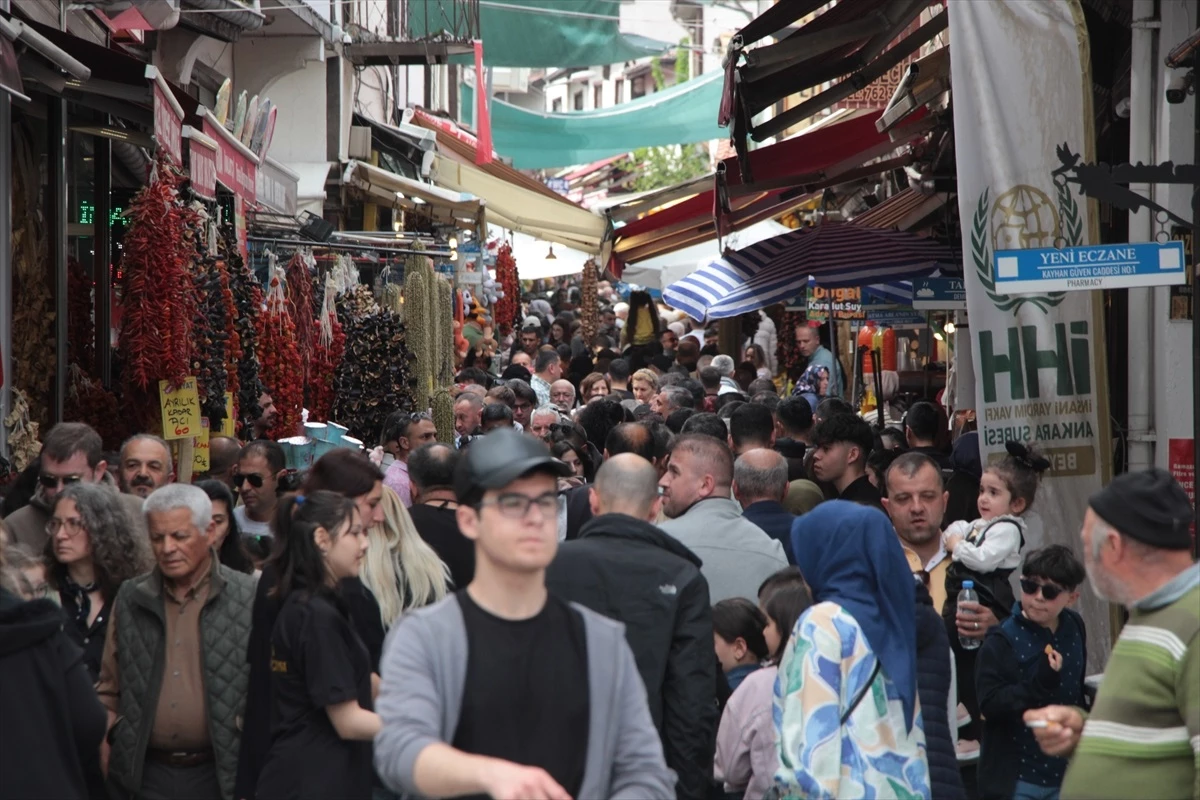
x: 863, y: 492
x: 438, y: 526
x: 526, y: 693
x: 317, y: 661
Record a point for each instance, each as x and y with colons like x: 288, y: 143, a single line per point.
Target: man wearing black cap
x: 1143, y: 733
x: 503, y: 689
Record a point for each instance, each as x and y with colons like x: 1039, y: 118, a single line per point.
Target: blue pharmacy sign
x: 939, y: 294
x: 1102, y: 266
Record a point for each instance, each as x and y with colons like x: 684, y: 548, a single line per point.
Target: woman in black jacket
x: 53, y: 722
x: 933, y: 687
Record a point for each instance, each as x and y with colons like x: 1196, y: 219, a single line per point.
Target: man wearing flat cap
x: 1142, y: 738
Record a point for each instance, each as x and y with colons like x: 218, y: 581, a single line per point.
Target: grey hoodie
x: 424, y: 669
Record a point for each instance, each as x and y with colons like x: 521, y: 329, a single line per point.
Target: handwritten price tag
x: 200, y: 448
x: 227, y: 424
x: 180, y: 409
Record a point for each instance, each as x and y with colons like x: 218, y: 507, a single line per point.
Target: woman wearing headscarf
x: 846, y: 707
x: 812, y: 385
x: 963, y: 484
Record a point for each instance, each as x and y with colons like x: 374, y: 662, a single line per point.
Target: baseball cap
x: 496, y: 460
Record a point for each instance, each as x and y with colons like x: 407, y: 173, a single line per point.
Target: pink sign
x: 236, y: 167
x: 168, y: 117
x: 203, y: 167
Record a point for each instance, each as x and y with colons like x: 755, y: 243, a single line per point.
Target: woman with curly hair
x: 93, y: 548
x: 400, y: 569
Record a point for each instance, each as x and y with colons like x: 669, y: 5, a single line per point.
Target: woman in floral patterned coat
x: 846, y: 710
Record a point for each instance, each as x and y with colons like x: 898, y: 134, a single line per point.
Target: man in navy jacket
x: 760, y: 483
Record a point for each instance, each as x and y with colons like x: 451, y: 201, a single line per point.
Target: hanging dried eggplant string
x: 279, y: 356
x: 33, y: 337
x: 158, y: 301
x: 210, y: 331
x: 246, y: 292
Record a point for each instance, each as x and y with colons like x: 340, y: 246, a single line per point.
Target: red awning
x: 787, y: 172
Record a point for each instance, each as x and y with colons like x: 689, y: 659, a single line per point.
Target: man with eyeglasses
x: 490, y: 691
x: 260, y: 465
x: 71, y: 453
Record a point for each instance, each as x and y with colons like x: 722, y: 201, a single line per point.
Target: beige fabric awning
x: 520, y: 209
x: 397, y: 191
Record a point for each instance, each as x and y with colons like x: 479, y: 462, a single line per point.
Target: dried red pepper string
x: 300, y: 307
x: 506, y: 310
x: 279, y: 361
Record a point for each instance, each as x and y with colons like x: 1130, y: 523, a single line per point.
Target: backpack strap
x: 862, y: 692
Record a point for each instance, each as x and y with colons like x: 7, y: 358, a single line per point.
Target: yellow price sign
x: 180, y: 409
x: 227, y: 425
x: 200, y: 448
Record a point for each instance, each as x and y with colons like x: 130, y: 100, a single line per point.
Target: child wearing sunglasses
x: 1036, y: 657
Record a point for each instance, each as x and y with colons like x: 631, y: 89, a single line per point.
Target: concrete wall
x: 300, y: 123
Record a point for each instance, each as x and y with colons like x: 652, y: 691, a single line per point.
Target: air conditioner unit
x: 360, y: 142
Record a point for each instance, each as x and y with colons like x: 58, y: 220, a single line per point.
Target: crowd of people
x: 640, y: 569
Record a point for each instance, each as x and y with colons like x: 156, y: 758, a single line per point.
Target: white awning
x: 397, y: 191
x: 520, y: 209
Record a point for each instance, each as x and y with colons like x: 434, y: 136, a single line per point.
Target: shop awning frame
x: 21, y: 32
x: 397, y: 191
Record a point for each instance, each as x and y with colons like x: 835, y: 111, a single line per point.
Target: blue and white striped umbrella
x: 775, y: 270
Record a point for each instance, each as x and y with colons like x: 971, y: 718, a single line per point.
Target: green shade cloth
x: 680, y: 114
x: 516, y: 38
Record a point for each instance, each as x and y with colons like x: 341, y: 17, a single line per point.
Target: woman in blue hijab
x: 813, y: 385
x: 846, y: 711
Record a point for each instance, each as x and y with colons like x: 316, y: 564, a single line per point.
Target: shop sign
x: 878, y: 92
x: 1181, y: 295
x: 847, y: 303
x: 168, y: 117
x: 1089, y: 267
x: 1181, y: 455
x: 237, y: 167
x: 180, y: 409
x: 560, y: 185
x: 202, y: 163
x: 939, y: 294
x: 895, y: 316
x: 200, y: 448
x: 277, y: 189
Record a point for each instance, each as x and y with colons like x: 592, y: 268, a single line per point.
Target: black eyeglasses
x: 52, y: 481
x: 254, y: 479
x: 1049, y: 590
x: 516, y: 506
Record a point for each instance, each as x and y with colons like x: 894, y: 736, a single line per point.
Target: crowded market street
x: 587, y: 399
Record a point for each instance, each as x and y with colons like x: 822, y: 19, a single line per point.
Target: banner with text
x: 1023, y: 87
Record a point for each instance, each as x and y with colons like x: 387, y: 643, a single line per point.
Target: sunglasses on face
x: 255, y: 480
x: 53, y: 481
x: 1049, y: 590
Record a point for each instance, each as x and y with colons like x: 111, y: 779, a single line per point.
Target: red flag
x: 483, y: 125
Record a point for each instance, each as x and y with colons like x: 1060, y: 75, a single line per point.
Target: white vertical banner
x: 1022, y: 89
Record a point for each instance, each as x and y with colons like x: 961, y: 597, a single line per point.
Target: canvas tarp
x: 680, y: 114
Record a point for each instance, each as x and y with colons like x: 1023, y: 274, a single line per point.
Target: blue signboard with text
x: 1103, y: 266
x: 939, y: 294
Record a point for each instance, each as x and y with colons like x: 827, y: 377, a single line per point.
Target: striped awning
x: 775, y: 270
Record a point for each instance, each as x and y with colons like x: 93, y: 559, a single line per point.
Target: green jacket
x: 224, y: 634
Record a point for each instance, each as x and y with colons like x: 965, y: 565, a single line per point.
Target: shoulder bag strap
x: 862, y: 692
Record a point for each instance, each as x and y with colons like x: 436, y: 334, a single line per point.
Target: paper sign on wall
x: 180, y: 409
x: 200, y: 448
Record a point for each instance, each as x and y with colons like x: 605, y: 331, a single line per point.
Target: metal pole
x: 6, y: 182
x: 102, y: 244
x: 56, y: 213
x: 1196, y: 316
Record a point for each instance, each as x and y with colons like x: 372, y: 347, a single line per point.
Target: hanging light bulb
x: 949, y: 327
x: 550, y: 256
x: 453, y: 242
x: 938, y: 335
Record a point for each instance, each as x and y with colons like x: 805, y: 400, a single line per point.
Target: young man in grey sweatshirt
x: 502, y: 689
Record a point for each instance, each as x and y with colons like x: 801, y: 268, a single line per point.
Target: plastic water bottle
x: 968, y: 595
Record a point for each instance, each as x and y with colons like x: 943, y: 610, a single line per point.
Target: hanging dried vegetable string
x: 589, y: 317
x: 33, y: 336
x: 23, y: 443
x: 507, y: 307
x: 248, y: 300
x: 157, y: 297
x: 327, y: 357
x: 279, y: 357
x: 88, y: 401
x: 300, y: 307
x: 419, y: 290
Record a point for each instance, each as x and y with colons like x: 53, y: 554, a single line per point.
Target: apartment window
x: 619, y: 91
x: 577, y: 101
x: 557, y: 104
x: 637, y: 88
x: 598, y: 95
